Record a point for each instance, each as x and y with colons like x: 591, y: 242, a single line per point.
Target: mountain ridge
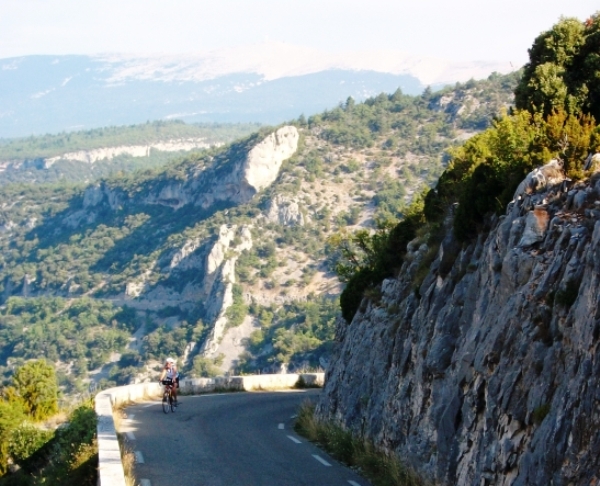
x: 45, y: 94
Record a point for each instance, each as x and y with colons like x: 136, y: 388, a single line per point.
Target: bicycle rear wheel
x: 165, y: 402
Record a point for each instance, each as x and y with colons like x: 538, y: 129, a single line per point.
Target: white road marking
x: 321, y: 460
x: 151, y: 404
x: 139, y: 458
x: 281, y: 426
x: 130, y: 435
x: 293, y: 439
x: 353, y: 483
x: 145, y: 482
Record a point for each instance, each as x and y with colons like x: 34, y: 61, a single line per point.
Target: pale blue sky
x: 466, y: 30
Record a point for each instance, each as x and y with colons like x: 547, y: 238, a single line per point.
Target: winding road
x: 234, y: 439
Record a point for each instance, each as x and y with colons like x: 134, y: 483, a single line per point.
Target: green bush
x: 35, y: 386
x: 384, y: 255
x: 26, y: 439
x: 484, y: 173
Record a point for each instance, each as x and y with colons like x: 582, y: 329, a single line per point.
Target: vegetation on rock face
x: 556, y: 120
x: 485, y: 172
x: 367, y: 259
x: 66, y: 456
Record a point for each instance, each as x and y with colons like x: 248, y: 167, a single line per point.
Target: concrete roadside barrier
x: 110, y: 467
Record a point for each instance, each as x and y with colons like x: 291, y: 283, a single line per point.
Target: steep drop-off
x: 487, y: 371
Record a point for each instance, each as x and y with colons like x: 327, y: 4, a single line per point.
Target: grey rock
x: 486, y: 378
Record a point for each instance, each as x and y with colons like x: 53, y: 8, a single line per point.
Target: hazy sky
x: 453, y: 29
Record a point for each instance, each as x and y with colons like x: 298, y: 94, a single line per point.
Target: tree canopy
x: 563, y: 71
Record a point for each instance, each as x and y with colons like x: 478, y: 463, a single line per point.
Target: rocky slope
x: 486, y: 372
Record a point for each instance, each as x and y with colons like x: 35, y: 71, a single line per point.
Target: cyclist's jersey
x: 171, y: 374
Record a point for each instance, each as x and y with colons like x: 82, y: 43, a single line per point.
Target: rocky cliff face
x: 487, y: 373
x: 238, y: 183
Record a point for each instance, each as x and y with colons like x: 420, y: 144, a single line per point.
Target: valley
x: 181, y: 255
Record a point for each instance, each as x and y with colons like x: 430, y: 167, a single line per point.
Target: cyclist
x: 169, y: 373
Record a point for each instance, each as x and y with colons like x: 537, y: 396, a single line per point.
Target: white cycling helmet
x: 170, y: 360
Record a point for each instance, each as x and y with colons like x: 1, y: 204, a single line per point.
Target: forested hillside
x: 106, y: 279
x: 83, y: 156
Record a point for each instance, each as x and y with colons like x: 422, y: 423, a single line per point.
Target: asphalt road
x: 234, y: 439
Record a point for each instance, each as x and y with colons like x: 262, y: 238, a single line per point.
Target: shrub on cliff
x: 484, y: 173
x: 366, y: 259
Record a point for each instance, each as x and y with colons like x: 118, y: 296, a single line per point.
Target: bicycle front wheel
x: 165, y: 402
x: 171, y: 403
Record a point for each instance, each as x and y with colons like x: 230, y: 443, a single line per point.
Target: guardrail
x: 110, y: 467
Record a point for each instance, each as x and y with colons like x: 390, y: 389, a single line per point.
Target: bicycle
x: 168, y: 403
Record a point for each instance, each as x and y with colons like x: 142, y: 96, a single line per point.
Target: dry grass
x: 381, y: 468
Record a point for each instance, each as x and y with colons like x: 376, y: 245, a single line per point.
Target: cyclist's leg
x: 172, y: 403
x: 165, y: 401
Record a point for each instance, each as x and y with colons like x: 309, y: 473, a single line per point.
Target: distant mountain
x: 266, y: 84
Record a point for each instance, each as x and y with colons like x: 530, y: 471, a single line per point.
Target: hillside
x: 223, y: 252
x: 84, y: 156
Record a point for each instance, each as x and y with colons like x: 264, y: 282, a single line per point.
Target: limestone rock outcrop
x: 248, y: 176
x: 488, y: 373
x: 285, y: 211
x: 109, y: 153
x: 262, y: 165
x: 219, y: 279
x: 235, y: 183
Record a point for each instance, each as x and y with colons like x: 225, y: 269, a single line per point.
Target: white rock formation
x: 190, y: 247
x: 254, y: 172
x: 95, y: 194
x: 264, y: 161
x: 174, y: 195
x: 219, y: 280
x: 216, y: 256
x: 109, y: 153
x: 285, y: 211
x: 539, y: 179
